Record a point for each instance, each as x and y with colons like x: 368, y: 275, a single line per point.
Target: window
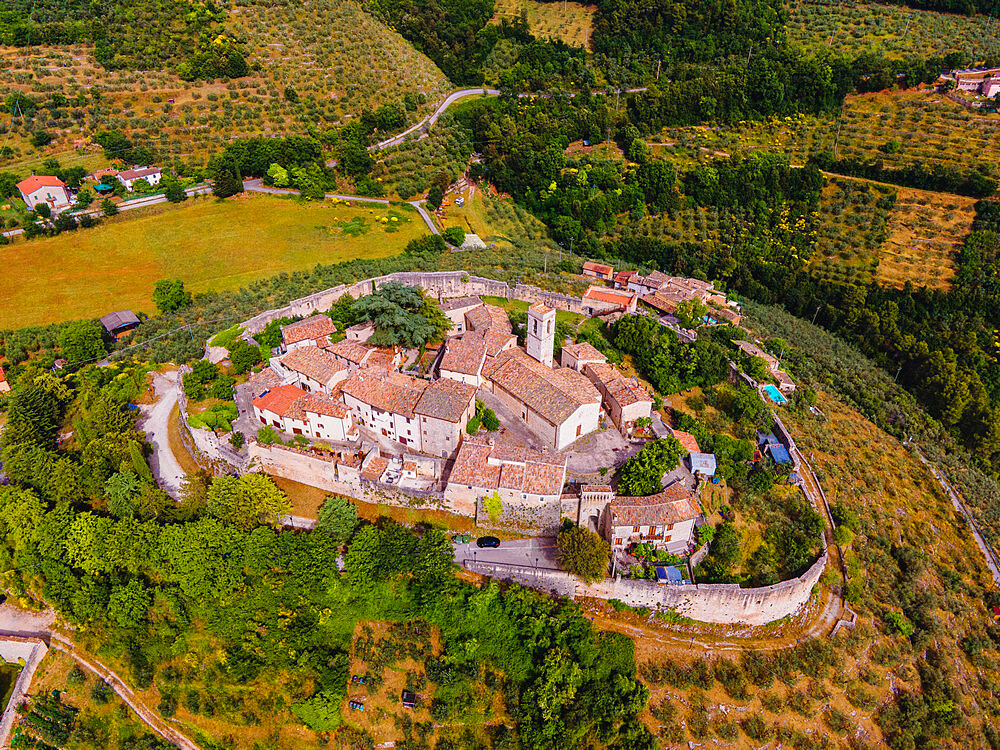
x: 579, y: 429
x: 635, y: 529
x: 296, y: 431
x: 618, y: 542
x: 535, y: 328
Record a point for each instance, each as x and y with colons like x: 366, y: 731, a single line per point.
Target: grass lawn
x: 209, y: 244
x: 569, y: 22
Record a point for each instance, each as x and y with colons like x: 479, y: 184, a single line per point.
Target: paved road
x: 129, y: 205
x: 538, y: 551
x: 166, y: 468
x: 257, y: 186
x: 433, y: 117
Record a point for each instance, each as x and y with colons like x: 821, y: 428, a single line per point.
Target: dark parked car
x: 487, y: 541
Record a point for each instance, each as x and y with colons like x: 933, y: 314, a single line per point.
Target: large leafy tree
x: 583, y: 553
x: 170, y: 295
x: 247, y: 501
x: 643, y: 473
x: 401, y: 315
x: 338, y: 517
x: 82, y: 340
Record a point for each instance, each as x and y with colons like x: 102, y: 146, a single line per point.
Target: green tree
x: 129, y: 604
x: 583, y: 553
x: 82, y: 340
x: 247, y: 501
x: 170, y: 295
x: 454, y: 236
x: 108, y: 208
x: 278, y: 176
x: 173, y: 191
x: 338, y: 517
x: 120, y: 490
x: 643, y: 473
x: 226, y: 175
x: 244, y: 356
x: 434, y: 197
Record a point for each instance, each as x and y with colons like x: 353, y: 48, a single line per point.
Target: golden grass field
x: 570, y: 22
x: 209, y: 244
x: 925, y: 231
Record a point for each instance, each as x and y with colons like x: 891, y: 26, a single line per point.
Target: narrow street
x: 155, y: 422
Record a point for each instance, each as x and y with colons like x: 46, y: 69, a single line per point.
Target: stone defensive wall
x: 722, y: 603
x: 438, y: 284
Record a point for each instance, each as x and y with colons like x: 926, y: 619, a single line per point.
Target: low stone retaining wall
x: 721, y: 603
x: 14, y: 649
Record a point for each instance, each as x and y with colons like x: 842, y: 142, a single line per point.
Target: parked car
x: 487, y: 541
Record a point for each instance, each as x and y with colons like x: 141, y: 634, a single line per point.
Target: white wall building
x: 129, y: 177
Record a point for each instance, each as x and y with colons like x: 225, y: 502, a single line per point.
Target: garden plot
x: 569, y: 22
x: 925, y: 232
x: 897, y: 32
x: 853, y: 221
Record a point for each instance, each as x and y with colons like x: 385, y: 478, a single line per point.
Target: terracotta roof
x: 489, y: 464
x: 138, y: 173
x: 595, y: 488
x: 540, y: 307
x: 585, y: 352
x: 689, y: 441
x: 498, y: 341
x: 622, y: 277
x: 446, y: 399
x: 397, y: 394
x: 623, y: 390
x: 674, y: 504
x: 31, y: 184
x: 464, y: 354
x: 488, y: 318
x: 317, y: 403
x: 311, y: 328
x: 553, y: 394
x: 611, y: 296
x: 279, y: 400
x: 353, y: 352
x: 597, y: 267
x: 314, y: 363
x: 3, y: 376
x: 264, y: 380
x: 459, y: 303
x: 375, y: 469
x: 382, y: 359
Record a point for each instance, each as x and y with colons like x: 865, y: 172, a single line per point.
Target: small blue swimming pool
x: 775, y: 395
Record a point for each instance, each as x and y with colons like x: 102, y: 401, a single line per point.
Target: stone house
x: 314, y: 370
x: 576, y: 356
x: 521, y: 476
x: 129, y: 177
x: 455, y: 309
x: 624, y: 400
x: 665, y: 520
x: 598, y: 270
x: 45, y: 189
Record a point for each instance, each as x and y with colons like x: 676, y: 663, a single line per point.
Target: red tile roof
x: 553, y: 394
x: 397, y: 394
x: 314, y: 363
x: 31, y: 184
x: 611, y: 296
x: 264, y: 380
x: 309, y: 329
x: 688, y: 440
x: 279, y: 400
x: 375, y: 469
x: 585, y: 352
x: 674, y: 504
x: 464, y: 354
x: 446, y: 399
x: 597, y: 268
x: 488, y: 464
x: 317, y: 403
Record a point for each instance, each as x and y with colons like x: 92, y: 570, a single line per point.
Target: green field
x: 210, y: 244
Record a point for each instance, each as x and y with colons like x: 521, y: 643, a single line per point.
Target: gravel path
x: 166, y: 468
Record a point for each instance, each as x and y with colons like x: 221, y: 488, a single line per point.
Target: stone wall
x: 321, y: 471
x: 716, y: 603
x: 14, y: 649
x: 439, y: 284
x: 212, y: 452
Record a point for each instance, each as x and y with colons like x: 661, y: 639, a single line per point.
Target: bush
x: 454, y: 236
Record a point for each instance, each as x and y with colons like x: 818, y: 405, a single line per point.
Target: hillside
x: 309, y: 70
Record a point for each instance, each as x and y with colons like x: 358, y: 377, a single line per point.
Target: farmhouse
x: 665, y: 520
x: 518, y: 474
x: 559, y: 405
x: 982, y: 81
x: 292, y: 410
x: 598, y: 270
x: 39, y: 189
x: 314, y: 370
x: 312, y: 331
x: 624, y: 400
x: 129, y: 177
x: 119, y: 323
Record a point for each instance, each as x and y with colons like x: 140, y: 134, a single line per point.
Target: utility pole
x: 897, y: 373
x: 658, y: 61
x: 816, y: 313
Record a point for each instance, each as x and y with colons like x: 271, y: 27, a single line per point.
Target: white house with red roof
x: 129, y: 177
x: 39, y: 189
x: 293, y: 411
